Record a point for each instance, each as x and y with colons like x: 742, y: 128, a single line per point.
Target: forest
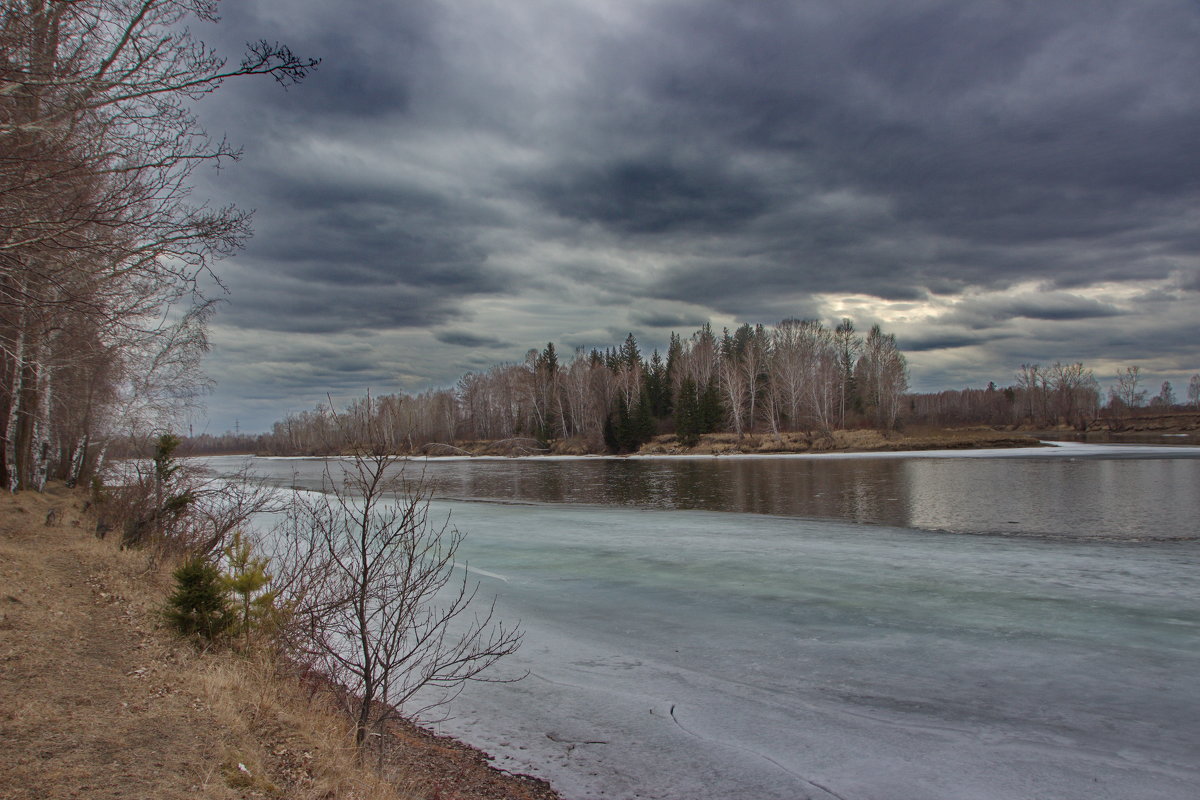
x: 797, y: 376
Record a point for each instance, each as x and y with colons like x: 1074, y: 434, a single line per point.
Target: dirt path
x: 98, y: 701
x: 87, y: 708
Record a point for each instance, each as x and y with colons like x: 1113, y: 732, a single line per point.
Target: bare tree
x: 1126, y: 391
x: 1076, y: 394
x: 882, y: 375
x: 1165, y: 397
x: 377, y: 603
x: 99, y: 244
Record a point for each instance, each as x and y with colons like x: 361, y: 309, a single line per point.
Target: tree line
x: 796, y: 376
x: 102, y: 252
x: 1061, y: 394
x: 799, y: 375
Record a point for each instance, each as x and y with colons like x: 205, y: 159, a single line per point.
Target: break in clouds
x: 995, y: 182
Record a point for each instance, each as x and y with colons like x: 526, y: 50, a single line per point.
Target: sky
x: 996, y: 183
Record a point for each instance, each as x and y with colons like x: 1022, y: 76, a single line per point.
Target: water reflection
x: 1109, y: 497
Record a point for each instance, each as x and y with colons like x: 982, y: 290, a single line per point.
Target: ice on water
x: 689, y: 654
x: 710, y: 655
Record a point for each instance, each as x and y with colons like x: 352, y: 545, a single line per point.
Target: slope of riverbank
x: 849, y: 441
x: 97, y: 700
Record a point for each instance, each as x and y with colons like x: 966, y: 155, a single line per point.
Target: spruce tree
x: 687, y: 415
x: 710, y: 412
x: 658, y: 387
x: 199, y: 606
x: 629, y: 354
x: 641, y: 423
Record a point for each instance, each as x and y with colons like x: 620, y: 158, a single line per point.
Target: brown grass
x: 849, y: 441
x: 98, y: 700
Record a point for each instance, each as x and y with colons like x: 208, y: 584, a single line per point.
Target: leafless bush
x: 173, y: 507
x: 374, y: 599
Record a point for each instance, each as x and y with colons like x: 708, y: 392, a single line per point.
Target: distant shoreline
x: 715, y: 445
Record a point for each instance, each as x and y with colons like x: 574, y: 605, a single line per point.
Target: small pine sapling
x: 247, y: 579
x: 199, y: 606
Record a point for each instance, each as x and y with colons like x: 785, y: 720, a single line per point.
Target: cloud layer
x: 995, y: 182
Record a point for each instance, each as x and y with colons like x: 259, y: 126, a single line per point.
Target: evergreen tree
x: 674, y: 364
x: 547, y: 380
x: 629, y: 354
x: 658, y: 387
x: 613, y: 424
x: 641, y: 424
x: 627, y: 429
x: 710, y: 413
x: 687, y: 414
x: 247, y: 580
x: 199, y: 606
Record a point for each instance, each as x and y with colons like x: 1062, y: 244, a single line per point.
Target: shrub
x: 199, y: 605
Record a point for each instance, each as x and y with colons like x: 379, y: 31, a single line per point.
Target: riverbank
x: 98, y: 700
x: 715, y: 444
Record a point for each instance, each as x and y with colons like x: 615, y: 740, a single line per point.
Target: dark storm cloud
x: 1053, y: 309
x: 464, y: 339
x: 450, y: 159
x: 1190, y: 281
x: 360, y: 243
x: 982, y: 124
x: 948, y: 341
x: 677, y: 322
x: 652, y: 196
x: 273, y: 302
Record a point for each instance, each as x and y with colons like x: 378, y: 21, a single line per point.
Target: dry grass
x: 865, y: 440
x: 281, y: 734
x: 99, y: 700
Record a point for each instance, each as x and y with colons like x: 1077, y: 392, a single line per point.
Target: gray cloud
x: 1059, y: 309
x: 464, y: 339
x: 944, y: 341
x: 452, y: 166
x: 651, y: 196
x: 677, y: 322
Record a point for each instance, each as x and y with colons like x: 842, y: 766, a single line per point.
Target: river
x: 1004, y: 624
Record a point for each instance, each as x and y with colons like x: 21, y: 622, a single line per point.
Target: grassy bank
x: 99, y: 700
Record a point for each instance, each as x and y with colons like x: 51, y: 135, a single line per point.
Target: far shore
x: 909, y: 439
x: 718, y: 444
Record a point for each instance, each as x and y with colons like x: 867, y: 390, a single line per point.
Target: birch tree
x: 97, y: 145
x: 882, y: 374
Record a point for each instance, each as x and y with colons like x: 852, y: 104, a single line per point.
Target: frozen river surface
x: 702, y: 654
x: 707, y: 655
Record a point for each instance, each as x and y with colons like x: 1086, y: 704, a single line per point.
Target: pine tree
x: 710, y: 412
x: 199, y: 605
x: 687, y: 415
x: 247, y: 580
x: 658, y: 387
x: 629, y: 354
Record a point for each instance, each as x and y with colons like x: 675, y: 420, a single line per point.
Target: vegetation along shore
x: 100, y: 699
